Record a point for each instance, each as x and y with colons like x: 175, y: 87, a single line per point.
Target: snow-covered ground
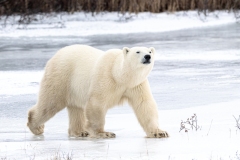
x: 188, y: 78
x: 217, y: 139
x: 83, y: 24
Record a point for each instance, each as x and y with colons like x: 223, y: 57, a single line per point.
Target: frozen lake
x: 194, y: 67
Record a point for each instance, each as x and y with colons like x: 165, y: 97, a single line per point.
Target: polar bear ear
x: 152, y: 49
x: 125, y: 50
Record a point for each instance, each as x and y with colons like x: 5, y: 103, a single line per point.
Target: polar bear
x: 88, y: 82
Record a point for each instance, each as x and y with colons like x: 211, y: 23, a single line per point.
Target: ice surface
x: 218, y: 137
x: 21, y: 82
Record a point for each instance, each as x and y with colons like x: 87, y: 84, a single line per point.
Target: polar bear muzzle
x: 147, y: 59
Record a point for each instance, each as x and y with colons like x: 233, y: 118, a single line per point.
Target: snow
x: 27, y: 82
x: 218, y: 137
x: 199, y: 55
x: 84, y: 24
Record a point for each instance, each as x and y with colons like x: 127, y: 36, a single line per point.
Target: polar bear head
x: 137, y: 64
x: 139, y: 56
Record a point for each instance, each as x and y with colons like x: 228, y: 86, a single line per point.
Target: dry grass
x: 190, y: 123
x: 26, y: 7
x: 237, y: 122
x: 56, y: 156
x: 62, y: 156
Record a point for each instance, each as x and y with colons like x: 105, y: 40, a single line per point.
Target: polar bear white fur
x: 88, y: 82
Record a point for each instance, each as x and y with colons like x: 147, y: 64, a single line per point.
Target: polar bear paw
x: 36, y: 130
x: 105, y: 135
x: 158, y: 134
x: 84, y: 134
x: 78, y: 134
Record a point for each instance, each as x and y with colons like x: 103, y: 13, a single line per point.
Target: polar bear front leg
x: 145, y: 108
x: 96, y: 113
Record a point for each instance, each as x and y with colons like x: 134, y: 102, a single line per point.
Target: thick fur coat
x: 88, y: 82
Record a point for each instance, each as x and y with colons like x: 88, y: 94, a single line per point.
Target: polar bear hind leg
x: 33, y: 124
x: 49, y: 103
x: 40, y: 113
x: 96, y: 112
x: 77, y: 122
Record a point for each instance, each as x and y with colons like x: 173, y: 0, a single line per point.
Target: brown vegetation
x: 27, y: 7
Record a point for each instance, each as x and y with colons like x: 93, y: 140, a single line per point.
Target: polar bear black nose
x: 147, y: 57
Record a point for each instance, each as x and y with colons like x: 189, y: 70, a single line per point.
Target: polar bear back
x: 72, y: 68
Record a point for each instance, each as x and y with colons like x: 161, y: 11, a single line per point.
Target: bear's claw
x: 159, y: 134
x: 106, y: 135
x: 84, y: 134
x: 78, y: 134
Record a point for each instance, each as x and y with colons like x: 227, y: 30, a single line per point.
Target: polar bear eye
x: 150, y: 52
x: 137, y: 52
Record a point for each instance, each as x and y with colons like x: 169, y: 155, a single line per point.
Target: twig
x: 237, y: 122
x: 190, y: 122
x: 107, y: 150
x: 146, y: 147
x: 210, y: 127
x: 237, y: 156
